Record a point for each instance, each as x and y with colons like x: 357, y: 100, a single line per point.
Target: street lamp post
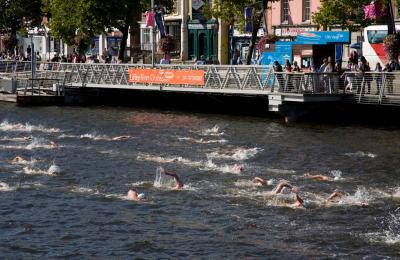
x: 33, y: 61
x: 153, y: 40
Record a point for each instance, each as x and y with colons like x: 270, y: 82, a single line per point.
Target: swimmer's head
x: 271, y: 182
x: 306, y: 204
x: 141, y: 196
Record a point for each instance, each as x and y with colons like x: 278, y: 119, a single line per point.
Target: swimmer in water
x: 27, y: 138
x: 259, y: 181
x: 133, y: 195
x: 280, y: 187
x: 179, y: 183
x: 18, y: 159
x: 300, y: 202
x: 53, y: 144
x: 237, y: 168
x: 336, y: 197
x: 318, y: 177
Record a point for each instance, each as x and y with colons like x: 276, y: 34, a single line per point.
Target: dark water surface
x: 70, y: 200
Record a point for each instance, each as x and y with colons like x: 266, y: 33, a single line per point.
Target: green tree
x: 232, y: 12
x: 348, y: 14
x: 16, y: 15
x: 78, y: 21
x: 125, y: 14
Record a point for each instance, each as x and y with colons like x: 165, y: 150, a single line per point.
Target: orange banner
x: 165, y: 76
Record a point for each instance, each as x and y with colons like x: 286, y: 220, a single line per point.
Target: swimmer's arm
x: 280, y: 187
x: 177, y: 179
x: 299, y: 199
x: 336, y: 194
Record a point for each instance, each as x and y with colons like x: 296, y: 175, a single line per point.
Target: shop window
x: 306, y: 10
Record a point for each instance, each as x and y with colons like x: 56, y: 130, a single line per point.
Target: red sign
x: 167, y: 76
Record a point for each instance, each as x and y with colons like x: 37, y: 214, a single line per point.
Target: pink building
x: 294, y: 17
x: 290, y: 17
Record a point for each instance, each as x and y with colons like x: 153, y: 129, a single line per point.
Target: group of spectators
x: 356, y: 76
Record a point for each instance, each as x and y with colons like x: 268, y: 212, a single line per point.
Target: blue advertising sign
x: 282, y: 53
x: 323, y: 37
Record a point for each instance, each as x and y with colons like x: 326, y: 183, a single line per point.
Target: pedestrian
x: 201, y: 61
x: 378, y: 77
x: 389, y: 77
x: 166, y: 59
x: 278, y: 71
x: 366, y: 77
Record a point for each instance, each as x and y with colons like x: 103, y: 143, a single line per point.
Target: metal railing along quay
x: 354, y: 87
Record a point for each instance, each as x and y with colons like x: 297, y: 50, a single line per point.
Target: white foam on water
x: 18, y: 127
x: 201, y: 165
x: 4, y: 187
x: 360, y: 197
x: 167, y: 159
x: 41, y: 143
x: 390, y: 230
x: 203, y: 141
x: 280, y: 171
x: 35, y: 171
x: 396, y: 193
x: 337, y: 175
x: 162, y: 180
x: 139, y: 183
x: 214, y: 131
x: 225, y: 168
x: 94, y: 136
x: 237, y: 154
x: 31, y: 185
x: 109, y: 152
x: 68, y: 136
x: 84, y: 190
x: 17, y: 139
x: 362, y: 154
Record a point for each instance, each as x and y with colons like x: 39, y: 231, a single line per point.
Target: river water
x: 68, y: 198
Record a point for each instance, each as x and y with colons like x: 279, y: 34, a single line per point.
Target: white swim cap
x: 306, y: 204
x: 271, y: 182
x: 141, y: 196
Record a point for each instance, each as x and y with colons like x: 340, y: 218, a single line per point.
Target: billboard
x: 323, y: 37
x: 167, y: 76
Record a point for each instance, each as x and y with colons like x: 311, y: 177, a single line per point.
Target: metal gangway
x: 380, y: 88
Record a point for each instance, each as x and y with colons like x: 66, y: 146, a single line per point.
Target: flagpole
x: 153, y: 40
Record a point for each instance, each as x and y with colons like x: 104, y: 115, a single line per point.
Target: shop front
x: 203, y: 40
x: 308, y: 48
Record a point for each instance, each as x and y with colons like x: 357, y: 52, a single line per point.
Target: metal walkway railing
x: 364, y: 88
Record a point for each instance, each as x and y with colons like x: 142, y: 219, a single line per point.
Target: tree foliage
x: 78, y: 21
x: 18, y: 14
x: 75, y: 22
x: 348, y: 14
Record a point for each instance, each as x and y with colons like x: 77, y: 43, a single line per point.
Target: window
x: 376, y: 36
x: 285, y: 10
x: 306, y: 10
x: 145, y: 39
